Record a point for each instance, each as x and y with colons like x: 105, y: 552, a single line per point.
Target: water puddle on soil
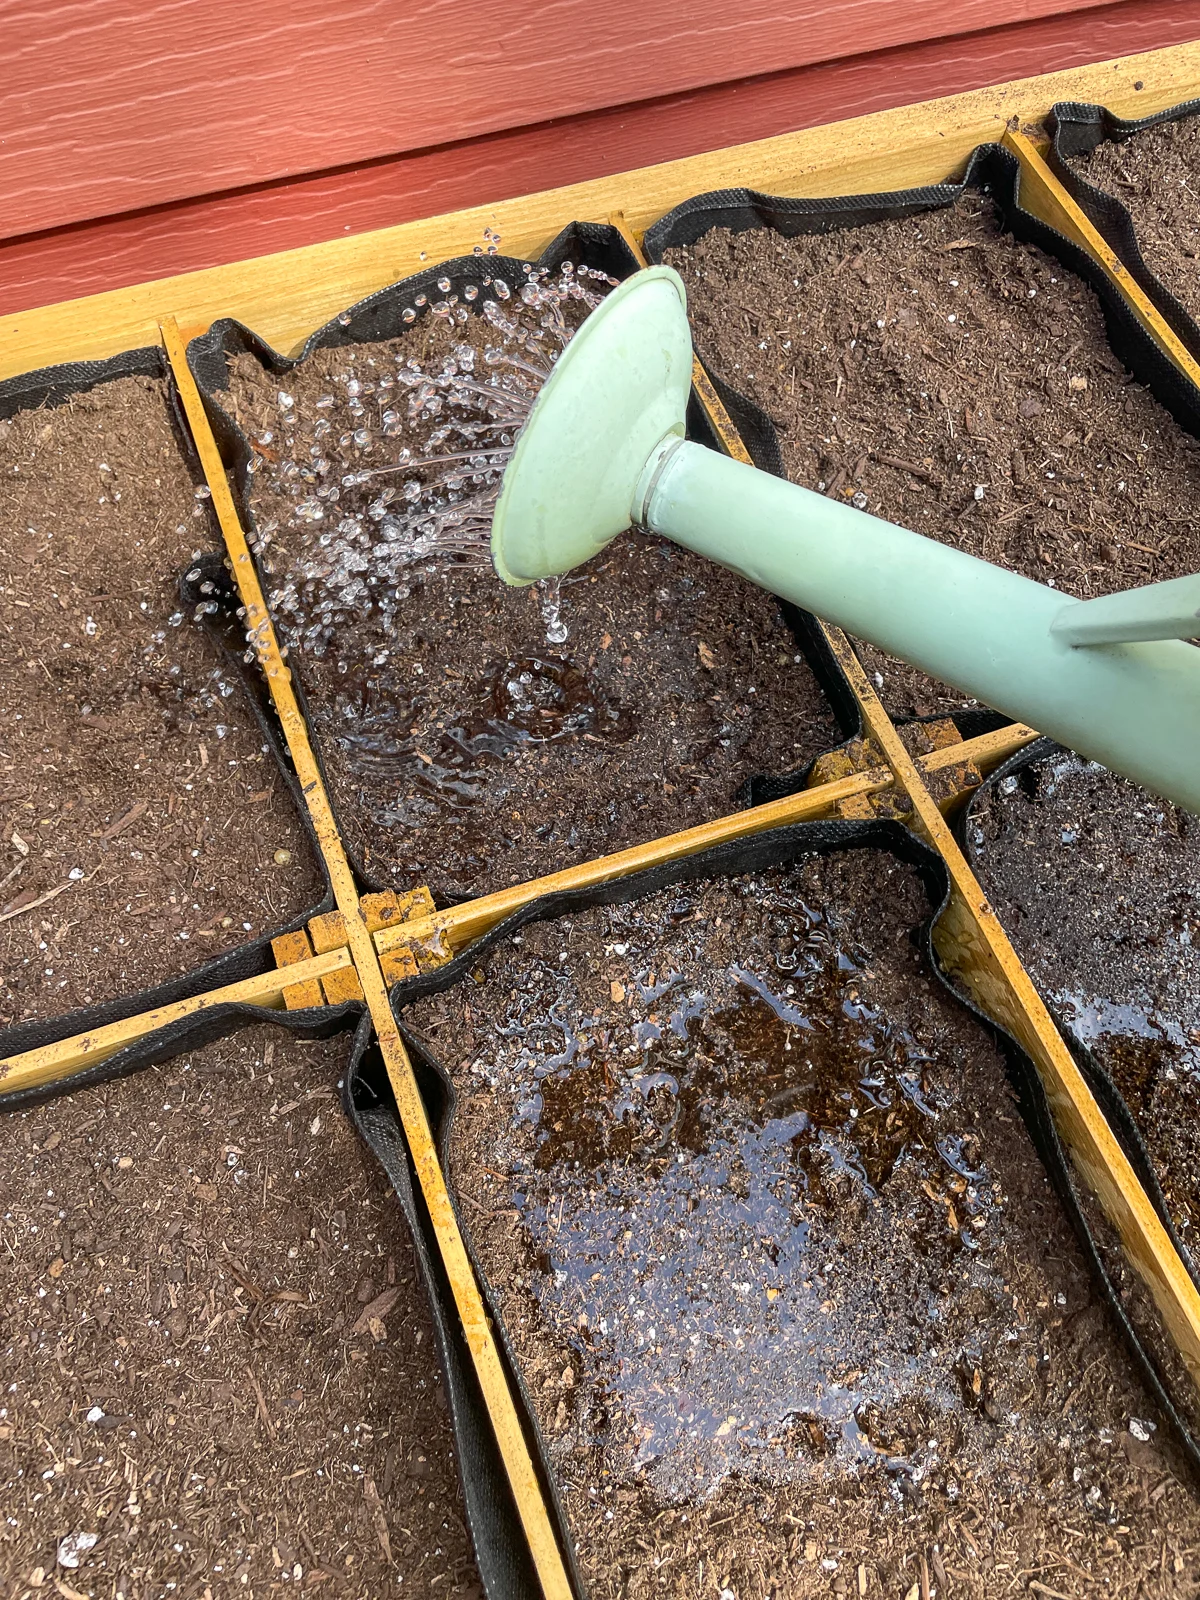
x: 755, y: 1200
x: 529, y: 701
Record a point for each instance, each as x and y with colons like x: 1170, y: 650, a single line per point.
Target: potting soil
x: 1156, y: 177
x: 144, y: 826
x: 477, y: 736
x: 1096, y: 882
x: 937, y: 373
x: 216, y: 1348
x: 793, y: 1301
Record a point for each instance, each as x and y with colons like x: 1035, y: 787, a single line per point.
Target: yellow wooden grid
x: 285, y: 297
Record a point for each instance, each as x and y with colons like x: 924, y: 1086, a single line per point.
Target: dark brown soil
x: 215, y: 1346
x: 463, y: 746
x: 137, y: 804
x: 943, y: 376
x: 795, y: 1304
x: 1098, y: 885
x: 1156, y: 176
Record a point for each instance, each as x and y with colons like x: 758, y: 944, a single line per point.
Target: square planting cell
x: 477, y: 736
x: 216, y: 1345
x: 144, y: 826
x: 1098, y: 884
x: 791, y: 1296
x: 938, y: 373
x: 1152, y: 172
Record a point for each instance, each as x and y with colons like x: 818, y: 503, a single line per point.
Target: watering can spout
x: 604, y: 449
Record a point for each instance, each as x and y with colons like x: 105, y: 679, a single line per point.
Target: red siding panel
x: 91, y: 257
x: 108, y: 106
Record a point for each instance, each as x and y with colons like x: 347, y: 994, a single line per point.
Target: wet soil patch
x: 476, y: 736
x: 137, y: 804
x: 796, y: 1308
x: 1097, y: 883
x: 941, y: 375
x: 215, y: 1343
x: 1156, y: 177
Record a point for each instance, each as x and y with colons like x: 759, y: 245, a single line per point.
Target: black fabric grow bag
x: 372, y: 1107
x: 1076, y: 129
x: 379, y: 317
x: 1114, y: 1107
x: 55, y: 386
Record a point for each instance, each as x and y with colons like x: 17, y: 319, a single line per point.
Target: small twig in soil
x: 885, y: 460
x: 262, y: 1405
x: 19, y: 911
x: 123, y: 821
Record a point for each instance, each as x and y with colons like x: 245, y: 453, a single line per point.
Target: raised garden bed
x: 144, y: 826
x: 793, y: 1301
x: 944, y: 376
x: 476, y: 736
x: 1096, y: 882
x: 1043, y: 1460
x: 179, y: 1245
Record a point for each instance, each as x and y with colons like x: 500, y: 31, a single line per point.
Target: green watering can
x: 604, y: 450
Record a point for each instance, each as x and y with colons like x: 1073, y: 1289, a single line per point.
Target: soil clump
x: 1156, y: 177
x: 216, y: 1345
x: 937, y: 373
x: 476, y: 736
x: 144, y: 829
x: 792, y: 1297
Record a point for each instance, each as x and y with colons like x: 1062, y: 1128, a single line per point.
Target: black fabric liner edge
x: 1076, y: 128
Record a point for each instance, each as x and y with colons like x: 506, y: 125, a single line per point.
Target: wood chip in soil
x: 466, y: 743
x: 943, y: 376
x: 215, y: 1344
x: 141, y: 822
x: 796, y: 1306
x: 1156, y: 177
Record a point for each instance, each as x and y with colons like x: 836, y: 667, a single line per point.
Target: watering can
x: 604, y: 450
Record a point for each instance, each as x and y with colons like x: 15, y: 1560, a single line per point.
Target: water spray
x: 604, y: 449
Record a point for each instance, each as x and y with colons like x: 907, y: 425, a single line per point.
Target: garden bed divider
x: 284, y: 297
x: 489, y: 1370
x: 300, y: 976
